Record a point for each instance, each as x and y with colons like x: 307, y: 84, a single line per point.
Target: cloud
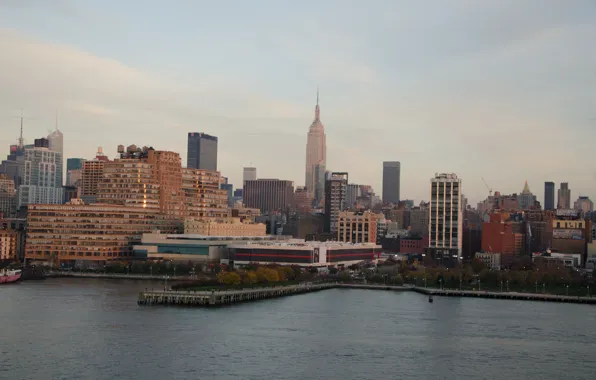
x: 104, y: 102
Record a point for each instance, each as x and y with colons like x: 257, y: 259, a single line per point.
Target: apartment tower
x: 445, y: 219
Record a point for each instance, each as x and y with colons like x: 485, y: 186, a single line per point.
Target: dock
x: 225, y: 297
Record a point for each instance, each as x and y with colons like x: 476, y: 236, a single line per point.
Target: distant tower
x: 391, y: 181
x: 564, y: 196
x: 56, y: 142
x: 316, y: 157
x: 202, y: 151
x: 549, y: 195
x: 249, y: 173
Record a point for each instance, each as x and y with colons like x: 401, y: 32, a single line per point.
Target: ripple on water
x: 67, y: 329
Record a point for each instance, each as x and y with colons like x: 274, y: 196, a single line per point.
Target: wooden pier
x: 225, y: 297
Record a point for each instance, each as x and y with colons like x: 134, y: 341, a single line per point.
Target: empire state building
x: 316, y: 157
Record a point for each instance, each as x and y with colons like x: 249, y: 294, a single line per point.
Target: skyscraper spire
x: 56, y: 119
x: 317, y: 110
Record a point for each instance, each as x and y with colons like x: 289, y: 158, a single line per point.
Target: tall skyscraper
x: 391, y: 174
x: 316, y: 157
x: 42, y: 176
x: 564, y: 196
x: 202, y: 151
x: 335, y: 200
x: 249, y: 173
x: 269, y: 195
x: 446, y: 220
x: 549, y: 195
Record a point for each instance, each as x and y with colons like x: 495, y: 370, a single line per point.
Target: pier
x: 228, y: 297
x: 225, y: 297
x: 504, y: 295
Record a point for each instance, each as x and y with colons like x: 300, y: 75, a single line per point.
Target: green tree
x: 333, y: 270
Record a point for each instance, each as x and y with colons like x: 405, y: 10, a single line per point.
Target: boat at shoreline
x: 8, y: 276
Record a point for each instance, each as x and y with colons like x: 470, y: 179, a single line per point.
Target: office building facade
x: 549, y: 195
x: 269, y: 195
x: 391, y: 182
x: 202, y: 151
x: 335, y: 199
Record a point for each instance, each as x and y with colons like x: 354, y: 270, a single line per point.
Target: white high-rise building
x: 42, y: 177
x: 316, y: 157
x: 249, y: 173
x: 56, y: 144
x: 445, y: 225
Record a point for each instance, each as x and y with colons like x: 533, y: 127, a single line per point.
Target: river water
x: 93, y: 329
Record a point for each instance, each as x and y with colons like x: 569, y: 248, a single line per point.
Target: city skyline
x: 379, y: 104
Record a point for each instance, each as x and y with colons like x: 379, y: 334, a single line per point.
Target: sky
x: 501, y: 90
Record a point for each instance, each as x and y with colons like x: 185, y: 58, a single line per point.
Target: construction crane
x: 490, y: 190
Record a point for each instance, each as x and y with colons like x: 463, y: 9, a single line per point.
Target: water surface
x: 93, y: 329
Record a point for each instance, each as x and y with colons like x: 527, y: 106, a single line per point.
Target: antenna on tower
x: 21, y: 140
x: 317, y: 95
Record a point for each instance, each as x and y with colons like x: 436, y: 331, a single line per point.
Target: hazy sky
x: 501, y: 89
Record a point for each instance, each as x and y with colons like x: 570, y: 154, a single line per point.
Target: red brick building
x: 412, y: 245
x: 500, y: 235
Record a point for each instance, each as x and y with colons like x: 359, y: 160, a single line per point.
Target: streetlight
x: 501, y: 286
x: 425, y: 280
x: 543, y: 288
x: 567, y: 290
x: 441, y: 283
x: 536, y: 284
x: 507, y: 285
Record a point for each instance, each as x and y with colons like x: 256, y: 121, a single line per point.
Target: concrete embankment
x: 225, y: 297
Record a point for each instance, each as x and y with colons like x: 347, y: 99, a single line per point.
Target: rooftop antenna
x: 21, y: 140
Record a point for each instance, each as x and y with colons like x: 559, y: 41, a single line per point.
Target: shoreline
x: 118, y: 276
x: 520, y: 296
